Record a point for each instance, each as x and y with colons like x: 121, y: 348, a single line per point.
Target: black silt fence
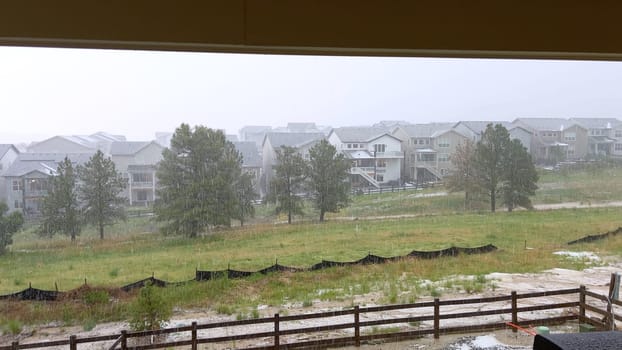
x: 38, y: 294
x: 592, y: 238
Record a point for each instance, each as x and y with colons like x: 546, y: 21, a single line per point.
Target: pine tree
x: 328, y: 177
x: 520, y: 177
x: 61, y: 212
x: 491, y: 155
x: 288, y: 182
x: 246, y: 195
x: 99, y: 191
x: 9, y: 224
x: 197, y: 178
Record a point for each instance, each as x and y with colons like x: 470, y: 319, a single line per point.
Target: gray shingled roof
x: 292, y: 139
x: 249, y: 152
x: 4, y: 148
x: 597, y: 123
x: 553, y: 124
x: 127, y: 148
x: 479, y: 126
x: 360, y: 133
x: 425, y: 130
x: 43, y: 162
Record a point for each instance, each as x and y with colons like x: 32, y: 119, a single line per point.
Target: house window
x: 356, y: 145
x: 141, y: 195
x: 18, y: 204
x: 618, y: 133
x: 381, y: 163
x: 421, y: 141
x: 17, y: 185
x: 426, y: 157
x: 141, y: 177
x: 570, y: 151
x: 379, y: 178
x: 442, y: 143
x: 617, y: 147
x: 443, y: 172
x: 380, y: 148
x: 349, y: 145
x: 37, y: 185
x: 570, y: 136
x: 443, y: 157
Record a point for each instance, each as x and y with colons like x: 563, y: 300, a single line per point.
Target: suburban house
x: 8, y: 154
x: 137, y: 162
x: 376, y: 155
x: 603, y: 135
x: 251, y: 162
x: 255, y: 133
x: 555, y: 139
x: 27, y: 179
x: 76, y: 144
x: 421, y: 155
x: 302, y: 142
x: 474, y: 129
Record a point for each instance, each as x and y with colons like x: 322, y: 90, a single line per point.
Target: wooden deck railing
x: 425, y: 318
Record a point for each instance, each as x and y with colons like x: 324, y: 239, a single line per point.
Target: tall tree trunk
x: 321, y: 215
x: 493, y: 204
x: 101, y: 230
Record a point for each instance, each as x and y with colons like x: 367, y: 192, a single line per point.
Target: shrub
x: 14, y: 327
x: 150, y: 311
x: 93, y: 297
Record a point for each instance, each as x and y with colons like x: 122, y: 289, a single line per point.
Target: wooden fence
x: 424, y: 318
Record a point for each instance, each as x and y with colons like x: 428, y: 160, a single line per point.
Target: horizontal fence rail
x: 362, y: 324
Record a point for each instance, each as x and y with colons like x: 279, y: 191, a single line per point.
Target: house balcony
x: 146, y: 184
x: 35, y: 194
x: 368, y: 170
x: 389, y: 155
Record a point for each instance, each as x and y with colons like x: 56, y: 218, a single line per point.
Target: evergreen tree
x: 328, y: 176
x: 246, y: 195
x: 99, y: 189
x: 491, y: 155
x: 290, y: 174
x: 464, y: 175
x: 61, y: 212
x: 520, y: 177
x: 197, y: 178
x: 9, y: 224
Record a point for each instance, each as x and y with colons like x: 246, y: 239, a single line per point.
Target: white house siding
x: 6, y: 161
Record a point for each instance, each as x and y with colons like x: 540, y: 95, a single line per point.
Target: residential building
x: 255, y: 133
x: 302, y: 142
x: 8, y: 154
x: 76, y: 143
x: 137, y: 162
x: 376, y: 155
x: 27, y: 180
x: 421, y: 162
x: 602, y: 139
x: 555, y: 139
x: 251, y: 162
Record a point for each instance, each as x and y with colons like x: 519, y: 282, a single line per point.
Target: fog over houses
x: 388, y: 153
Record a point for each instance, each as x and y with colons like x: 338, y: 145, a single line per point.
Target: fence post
x: 514, y: 310
x: 357, y: 327
x: 72, y: 343
x: 276, y: 331
x: 581, y: 303
x: 15, y: 345
x: 194, y: 336
x: 437, y: 318
x: 123, y: 340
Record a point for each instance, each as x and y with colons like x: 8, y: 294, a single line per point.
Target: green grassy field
x: 135, y: 250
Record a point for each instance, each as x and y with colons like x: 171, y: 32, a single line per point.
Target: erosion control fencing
x: 592, y: 238
x: 37, y: 294
x: 360, y: 325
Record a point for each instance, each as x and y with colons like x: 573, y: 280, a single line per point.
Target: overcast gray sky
x: 47, y: 92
